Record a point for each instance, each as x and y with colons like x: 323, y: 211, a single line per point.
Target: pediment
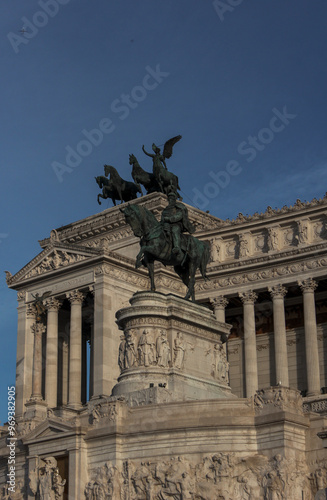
x: 48, y: 429
x: 55, y: 257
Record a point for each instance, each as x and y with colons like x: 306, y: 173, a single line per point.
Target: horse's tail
x: 204, y: 260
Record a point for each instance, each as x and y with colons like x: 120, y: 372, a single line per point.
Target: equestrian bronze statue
x: 166, y: 242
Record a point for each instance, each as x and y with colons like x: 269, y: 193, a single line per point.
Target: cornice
x: 299, y: 208
x: 112, y: 221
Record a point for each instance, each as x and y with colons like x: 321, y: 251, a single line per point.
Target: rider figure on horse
x: 175, y: 220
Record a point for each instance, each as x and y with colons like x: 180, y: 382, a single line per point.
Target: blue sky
x: 215, y: 72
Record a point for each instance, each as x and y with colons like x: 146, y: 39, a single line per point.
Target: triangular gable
x: 55, y: 256
x: 48, y: 429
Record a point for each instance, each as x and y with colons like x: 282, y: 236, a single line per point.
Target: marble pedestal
x: 174, y: 346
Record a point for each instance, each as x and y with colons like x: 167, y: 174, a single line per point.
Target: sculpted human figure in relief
x: 179, y: 351
x: 163, y: 350
x: 130, y: 358
x: 146, y: 349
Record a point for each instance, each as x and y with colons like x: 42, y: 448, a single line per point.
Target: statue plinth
x: 171, y: 350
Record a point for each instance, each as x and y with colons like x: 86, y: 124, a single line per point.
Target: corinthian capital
x: 248, y: 297
x: 219, y: 301
x: 277, y: 291
x: 52, y: 304
x: 38, y: 328
x: 308, y: 285
x: 75, y: 297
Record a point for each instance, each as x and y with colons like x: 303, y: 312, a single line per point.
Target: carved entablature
x: 270, y: 235
x: 233, y: 279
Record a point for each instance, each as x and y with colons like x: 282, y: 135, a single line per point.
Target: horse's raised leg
x: 100, y: 196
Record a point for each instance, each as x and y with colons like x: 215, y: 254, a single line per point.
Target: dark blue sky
x: 147, y: 71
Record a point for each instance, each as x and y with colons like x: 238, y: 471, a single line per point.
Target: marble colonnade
x: 277, y: 293
x: 32, y: 384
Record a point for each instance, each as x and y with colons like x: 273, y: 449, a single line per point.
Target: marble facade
x: 133, y: 395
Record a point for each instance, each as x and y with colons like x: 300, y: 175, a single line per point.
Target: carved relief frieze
x: 144, y: 348
x: 261, y: 275
x: 216, y: 476
x: 219, y: 366
x: 103, y: 412
x: 181, y: 349
x: 280, y: 397
x: 119, y: 274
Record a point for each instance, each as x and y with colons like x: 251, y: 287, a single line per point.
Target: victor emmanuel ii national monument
x: 127, y: 390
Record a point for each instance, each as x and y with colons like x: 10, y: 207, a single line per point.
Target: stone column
x: 38, y: 329
x: 75, y: 349
x: 219, y: 304
x: 51, y: 358
x: 308, y: 287
x: 65, y: 374
x: 250, y: 344
x: 104, y: 345
x: 278, y: 293
x: 24, y: 359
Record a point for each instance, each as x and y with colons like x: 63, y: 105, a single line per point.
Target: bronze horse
x: 156, y: 244
x: 109, y: 190
x: 140, y: 176
x: 129, y: 189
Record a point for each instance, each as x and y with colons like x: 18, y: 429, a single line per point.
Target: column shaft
x: 24, y: 359
x: 250, y: 344
x: 281, y: 361
x: 308, y: 287
x: 104, y: 374
x: 38, y: 329
x: 75, y: 349
x: 51, y: 360
x: 65, y: 373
